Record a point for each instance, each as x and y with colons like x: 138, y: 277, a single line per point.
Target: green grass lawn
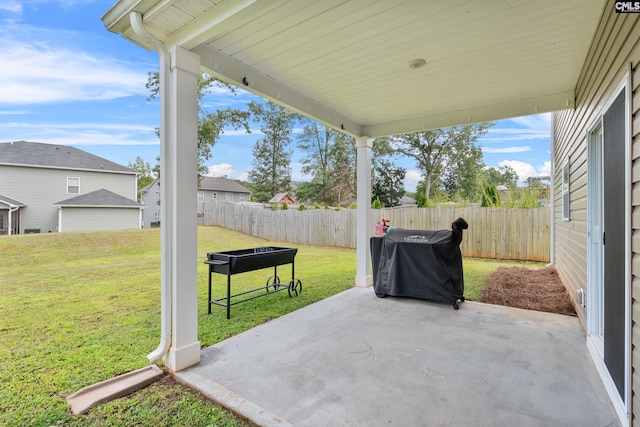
x: 79, y: 308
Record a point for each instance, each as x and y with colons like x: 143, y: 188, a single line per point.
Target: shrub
x: 302, y: 208
x: 353, y: 205
x: 490, y: 197
x: 377, y: 204
x: 275, y: 207
x: 285, y: 206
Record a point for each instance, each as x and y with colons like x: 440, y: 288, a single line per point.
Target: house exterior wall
x: 226, y: 196
x: 89, y: 219
x: 616, y: 47
x: 151, y: 197
x: 39, y: 188
x: 151, y: 200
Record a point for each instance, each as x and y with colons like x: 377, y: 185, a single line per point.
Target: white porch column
x: 179, y: 223
x: 364, y: 223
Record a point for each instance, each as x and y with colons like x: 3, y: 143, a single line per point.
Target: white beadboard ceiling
x: 346, y: 62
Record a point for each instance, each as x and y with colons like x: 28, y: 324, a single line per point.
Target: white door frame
x: 622, y: 407
x: 595, y: 250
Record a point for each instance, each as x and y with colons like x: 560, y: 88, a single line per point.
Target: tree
x: 387, y: 183
x: 463, y: 178
x: 437, y: 152
x: 342, y: 170
x: 504, y: 175
x: 330, y: 159
x: 145, y: 176
x: 387, y: 178
x: 271, y: 171
x: 210, y: 125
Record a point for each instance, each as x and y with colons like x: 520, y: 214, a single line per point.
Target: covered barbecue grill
x: 423, y: 264
x: 244, y: 260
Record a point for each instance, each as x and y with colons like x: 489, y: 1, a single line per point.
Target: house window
x: 200, y: 196
x: 242, y: 197
x: 2, y: 221
x: 73, y: 185
x: 157, y: 217
x: 229, y: 197
x: 566, y: 212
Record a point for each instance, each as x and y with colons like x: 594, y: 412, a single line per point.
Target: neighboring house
x: 213, y: 188
x: 210, y: 189
x: 282, y: 198
x: 49, y: 188
x: 406, y: 200
x: 150, y: 198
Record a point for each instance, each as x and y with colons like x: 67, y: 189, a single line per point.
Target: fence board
x: 502, y: 233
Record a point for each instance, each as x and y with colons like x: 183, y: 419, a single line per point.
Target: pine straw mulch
x: 531, y: 289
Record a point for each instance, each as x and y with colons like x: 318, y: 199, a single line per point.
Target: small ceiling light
x: 417, y: 63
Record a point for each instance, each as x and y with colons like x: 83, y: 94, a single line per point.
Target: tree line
x: 450, y: 160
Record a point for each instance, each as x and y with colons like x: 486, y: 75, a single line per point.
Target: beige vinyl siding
x: 616, y: 45
x: 40, y: 188
x: 91, y: 219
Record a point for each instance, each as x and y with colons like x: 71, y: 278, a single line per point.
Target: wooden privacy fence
x: 502, y: 233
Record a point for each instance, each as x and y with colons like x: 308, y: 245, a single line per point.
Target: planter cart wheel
x: 273, y: 281
x: 295, y: 286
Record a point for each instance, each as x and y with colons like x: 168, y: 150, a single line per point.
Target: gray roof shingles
x: 53, y: 155
x: 222, y: 184
x: 100, y: 197
x: 11, y: 202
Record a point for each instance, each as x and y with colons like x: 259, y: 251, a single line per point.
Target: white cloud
x: 411, y: 180
x: 546, y: 169
x: 12, y: 6
x: 241, y: 132
x: 222, y: 169
x: 43, y: 72
x: 13, y: 112
x: 526, y: 170
x: 79, y: 133
x: 525, y: 128
x: 507, y: 149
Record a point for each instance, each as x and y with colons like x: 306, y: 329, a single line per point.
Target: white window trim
x: 200, y: 196
x: 68, y: 186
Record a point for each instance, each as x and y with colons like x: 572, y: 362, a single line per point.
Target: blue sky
x: 65, y: 79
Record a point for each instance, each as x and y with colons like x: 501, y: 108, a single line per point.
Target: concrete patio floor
x: 358, y: 360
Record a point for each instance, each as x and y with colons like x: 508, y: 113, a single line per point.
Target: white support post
x: 363, y: 214
x: 179, y: 222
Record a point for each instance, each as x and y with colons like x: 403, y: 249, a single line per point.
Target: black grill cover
x: 419, y: 263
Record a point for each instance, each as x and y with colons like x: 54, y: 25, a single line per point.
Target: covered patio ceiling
x: 355, y: 64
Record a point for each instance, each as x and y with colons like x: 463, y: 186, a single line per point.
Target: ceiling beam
x: 241, y: 75
x: 505, y: 110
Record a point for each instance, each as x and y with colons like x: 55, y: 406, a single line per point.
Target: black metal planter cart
x: 244, y: 260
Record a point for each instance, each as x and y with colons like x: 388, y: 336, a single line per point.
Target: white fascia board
x: 517, y: 108
x: 102, y: 206
x: 116, y: 19
x: 234, y: 72
x: 24, y: 165
x: 209, y: 24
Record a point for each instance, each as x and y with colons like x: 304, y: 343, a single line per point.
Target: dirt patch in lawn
x: 532, y: 289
